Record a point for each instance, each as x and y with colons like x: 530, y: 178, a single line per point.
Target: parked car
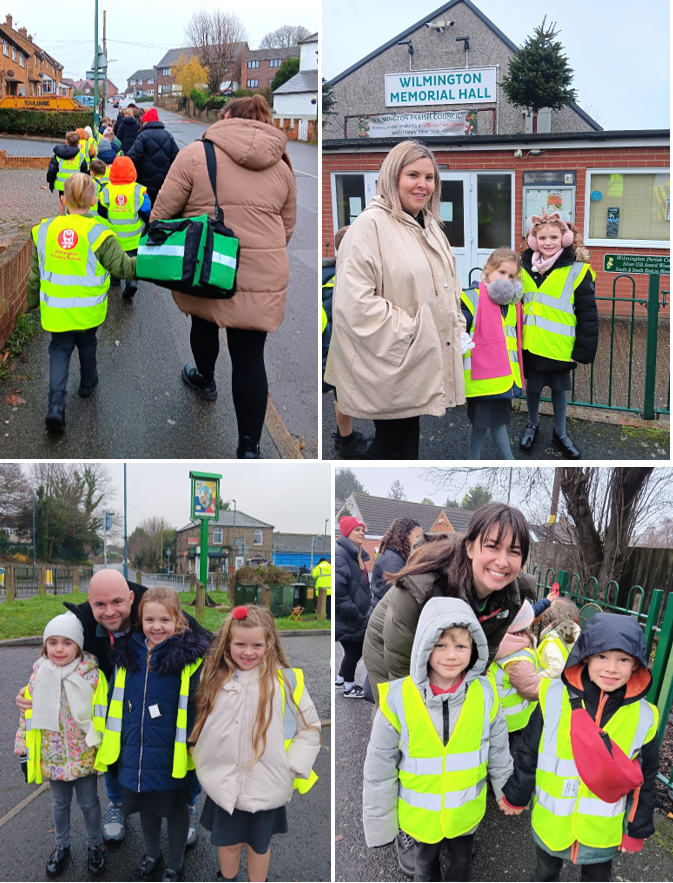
x: 85, y: 99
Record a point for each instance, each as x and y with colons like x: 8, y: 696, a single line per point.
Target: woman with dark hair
x: 394, y: 549
x: 257, y: 193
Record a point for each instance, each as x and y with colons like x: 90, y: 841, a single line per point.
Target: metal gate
x: 303, y: 130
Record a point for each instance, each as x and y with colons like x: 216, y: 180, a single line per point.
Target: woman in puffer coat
x: 396, y: 332
x: 394, y: 549
x: 153, y: 153
x: 127, y: 131
x: 257, y: 193
x: 352, y: 598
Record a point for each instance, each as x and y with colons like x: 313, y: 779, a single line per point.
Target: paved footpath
x: 142, y: 408
x: 504, y: 845
x: 26, y: 838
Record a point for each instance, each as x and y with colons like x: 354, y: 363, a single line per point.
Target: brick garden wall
x: 291, y: 128
x: 15, y: 263
x: 23, y: 162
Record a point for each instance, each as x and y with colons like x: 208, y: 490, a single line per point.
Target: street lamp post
x: 34, y: 558
x: 233, y: 539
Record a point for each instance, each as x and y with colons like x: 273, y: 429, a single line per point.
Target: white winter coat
x: 224, y: 752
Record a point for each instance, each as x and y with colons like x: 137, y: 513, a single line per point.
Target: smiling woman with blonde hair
x: 396, y: 336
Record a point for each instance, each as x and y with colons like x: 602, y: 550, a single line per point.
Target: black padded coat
x: 127, y: 132
x: 389, y: 561
x: 153, y: 153
x: 351, y: 592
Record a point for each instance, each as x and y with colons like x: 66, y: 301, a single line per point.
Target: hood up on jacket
x: 438, y: 615
x: 610, y: 631
x: 122, y: 171
x: 249, y: 143
x: 66, y: 151
x: 168, y: 658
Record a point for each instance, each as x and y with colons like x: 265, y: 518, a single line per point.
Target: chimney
x: 9, y: 22
x: 30, y: 38
x: 23, y: 32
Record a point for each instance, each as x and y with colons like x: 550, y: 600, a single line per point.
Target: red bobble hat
x: 349, y: 523
x: 150, y: 116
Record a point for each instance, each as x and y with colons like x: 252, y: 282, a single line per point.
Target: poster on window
x: 411, y: 125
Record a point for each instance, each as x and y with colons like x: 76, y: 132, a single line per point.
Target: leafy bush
x: 199, y: 97
x: 43, y: 122
x: 217, y: 102
x: 144, y: 98
x: 262, y: 576
x: 244, y: 93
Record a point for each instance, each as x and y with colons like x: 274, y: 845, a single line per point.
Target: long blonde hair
x: 219, y: 668
x: 403, y: 154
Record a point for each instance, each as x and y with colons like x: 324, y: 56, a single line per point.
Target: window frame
x: 5, y: 48
x: 253, y: 64
x: 220, y: 532
x: 271, y: 62
x: 22, y: 60
x: 165, y: 71
x: 13, y: 53
x: 614, y: 244
x: 260, y: 531
x: 253, y: 84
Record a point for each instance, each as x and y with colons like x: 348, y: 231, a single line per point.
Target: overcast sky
x: 618, y: 50
x: 139, y: 34
x: 293, y: 496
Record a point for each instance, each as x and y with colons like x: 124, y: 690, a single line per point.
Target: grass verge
x: 29, y: 616
x: 27, y: 326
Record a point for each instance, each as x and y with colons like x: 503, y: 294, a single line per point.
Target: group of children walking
x: 90, y: 245
x: 233, y: 716
x: 582, y: 751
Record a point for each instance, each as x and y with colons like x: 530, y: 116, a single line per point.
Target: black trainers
x: 55, y: 419
x: 96, y: 862
x: 528, y: 438
x: 354, y: 449
x: 406, y: 853
x: 129, y: 291
x: 338, y: 681
x: 148, y: 866
x: 192, y: 378
x: 355, y: 692
x: 56, y: 861
x: 86, y: 389
x: 567, y: 445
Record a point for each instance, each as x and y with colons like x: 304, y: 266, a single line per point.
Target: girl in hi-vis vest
x: 256, y: 737
x: 150, y: 714
x: 560, y: 321
x: 57, y: 737
x: 491, y: 349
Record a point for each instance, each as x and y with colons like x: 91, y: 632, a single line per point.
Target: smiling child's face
x: 611, y: 670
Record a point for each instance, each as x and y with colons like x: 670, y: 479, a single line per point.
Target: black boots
x: 55, y: 419
x: 206, y: 389
x: 56, y: 861
x: 248, y: 448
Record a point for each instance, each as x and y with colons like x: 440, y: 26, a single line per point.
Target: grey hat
x: 66, y: 625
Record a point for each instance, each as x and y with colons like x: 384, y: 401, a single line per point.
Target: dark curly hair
x: 397, y: 536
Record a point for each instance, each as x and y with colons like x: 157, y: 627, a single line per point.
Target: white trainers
x: 114, y: 829
x: 191, y: 834
x: 355, y: 692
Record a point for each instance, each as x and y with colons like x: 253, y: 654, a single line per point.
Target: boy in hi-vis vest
x: 66, y: 161
x: 69, y: 280
x: 589, y: 755
x: 437, y: 734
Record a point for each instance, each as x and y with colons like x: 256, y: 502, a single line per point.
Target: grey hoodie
x: 383, y: 753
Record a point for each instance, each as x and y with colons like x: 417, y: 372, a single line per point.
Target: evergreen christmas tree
x: 539, y: 74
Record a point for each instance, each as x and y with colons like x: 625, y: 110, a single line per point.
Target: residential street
x: 141, y: 407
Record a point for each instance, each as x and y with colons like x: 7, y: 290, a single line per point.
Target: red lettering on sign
x: 120, y: 200
x: 67, y: 239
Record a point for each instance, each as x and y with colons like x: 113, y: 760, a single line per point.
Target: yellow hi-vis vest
x: 552, y: 637
x: 66, y: 168
x: 322, y: 574
x: 34, y: 737
x: 564, y: 809
x: 109, y: 750
x: 442, y: 788
x: 517, y: 709
x: 493, y: 385
x: 549, y: 313
x: 295, y: 678
x: 73, y: 285
x: 123, y: 201
x: 102, y: 181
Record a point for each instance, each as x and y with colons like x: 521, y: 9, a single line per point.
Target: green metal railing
x: 657, y: 627
x: 605, y: 400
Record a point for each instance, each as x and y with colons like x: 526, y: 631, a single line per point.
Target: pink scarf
x: 540, y: 265
x: 490, y: 357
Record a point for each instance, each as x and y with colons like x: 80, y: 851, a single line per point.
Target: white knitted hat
x: 66, y: 625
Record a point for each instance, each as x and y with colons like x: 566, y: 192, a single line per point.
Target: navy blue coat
x: 153, y: 153
x: 351, y: 592
x: 391, y: 561
x: 147, y: 743
x: 127, y: 131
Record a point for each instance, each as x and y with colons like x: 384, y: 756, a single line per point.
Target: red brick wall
x: 578, y: 159
x: 23, y: 162
x: 291, y: 128
x: 14, y: 268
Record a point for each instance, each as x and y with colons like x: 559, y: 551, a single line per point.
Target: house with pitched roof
x: 142, y: 83
x: 260, y: 66
x: 295, y: 103
x: 233, y: 540
x: 165, y: 79
x: 25, y: 68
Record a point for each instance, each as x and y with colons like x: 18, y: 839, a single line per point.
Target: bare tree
x: 149, y: 540
x: 219, y: 38
x: 14, y: 488
x: 283, y: 37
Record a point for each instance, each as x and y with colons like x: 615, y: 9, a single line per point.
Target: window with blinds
x: 632, y: 206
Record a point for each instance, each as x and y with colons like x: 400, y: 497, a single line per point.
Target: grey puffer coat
x: 381, y: 771
x: 351, y: 592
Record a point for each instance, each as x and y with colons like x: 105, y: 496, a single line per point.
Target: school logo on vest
x: 120, y: 200
x: 67, y: 239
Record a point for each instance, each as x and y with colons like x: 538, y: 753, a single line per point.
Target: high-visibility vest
x: 109, y: 750
x: 564, y: 809
x: 102, y: 181
x: 492, y: 385
x: 552, y: 637
x: 84, y: 147
x: 517, y: 709
x: 34, y: 737
x: 322, y: 574
x: 66, y: 168
x: 295, y: 677
x: 73, y: 285
x: 549, y: 313
x: 123, y: 202
x: 442, y: 788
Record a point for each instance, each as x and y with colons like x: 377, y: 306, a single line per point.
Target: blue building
x: 299, y: 549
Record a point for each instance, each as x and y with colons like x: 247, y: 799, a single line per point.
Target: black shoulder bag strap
x: 211, y: 162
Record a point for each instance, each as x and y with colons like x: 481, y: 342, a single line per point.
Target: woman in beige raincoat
x: 396, y: 336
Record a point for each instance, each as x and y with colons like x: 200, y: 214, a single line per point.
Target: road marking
x: 17, y: 809
x: 308, y: 174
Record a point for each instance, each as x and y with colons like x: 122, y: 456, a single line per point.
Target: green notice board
x: 637, y: 263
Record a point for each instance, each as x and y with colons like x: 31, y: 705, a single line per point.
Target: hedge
x: 53, y: 124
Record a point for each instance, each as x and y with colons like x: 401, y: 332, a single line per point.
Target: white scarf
x: 49, y: 679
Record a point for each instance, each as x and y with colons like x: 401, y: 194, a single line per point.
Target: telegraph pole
x: 105, y: 54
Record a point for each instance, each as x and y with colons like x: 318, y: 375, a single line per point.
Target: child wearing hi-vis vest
x: 559, y: 629
x: 100, y: 175
x: 125, y: 207
x: 589, y: 755
x: 560, y: 324
x: 436, y: 735
x: 69, y: 280
x: 491, y: 349
x: 256, y: 737
x: 66, y: 161
x: 57, y: 737
x: 150, y: 714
